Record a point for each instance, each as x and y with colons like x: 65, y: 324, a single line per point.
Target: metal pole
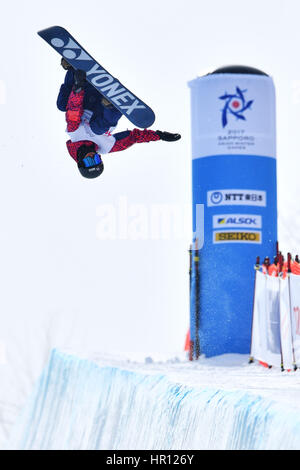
x: 191, y: 346
x: 291, y: 319
x: 197, y: 301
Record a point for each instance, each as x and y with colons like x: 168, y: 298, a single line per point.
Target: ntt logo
x: 216, y: 197
x: 236, y: 197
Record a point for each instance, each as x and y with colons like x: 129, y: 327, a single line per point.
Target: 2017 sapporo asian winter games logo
x: 235, y: 104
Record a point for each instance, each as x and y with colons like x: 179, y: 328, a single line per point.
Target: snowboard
x: 124, y: 100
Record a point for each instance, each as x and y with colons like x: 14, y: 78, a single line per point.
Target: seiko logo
x: 236, y: 237
x: 103, y: 81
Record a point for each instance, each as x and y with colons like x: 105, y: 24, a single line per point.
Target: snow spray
x: 234, y: 180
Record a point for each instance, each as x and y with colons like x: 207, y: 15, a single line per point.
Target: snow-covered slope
x: 82, y: 404
x: 64, y: 285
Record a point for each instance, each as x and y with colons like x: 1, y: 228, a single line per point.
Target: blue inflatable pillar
x: 234, y: 181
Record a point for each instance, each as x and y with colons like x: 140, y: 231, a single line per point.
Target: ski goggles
x: 89, y: 161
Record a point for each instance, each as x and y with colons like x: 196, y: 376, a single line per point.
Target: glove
x: 168, y: 136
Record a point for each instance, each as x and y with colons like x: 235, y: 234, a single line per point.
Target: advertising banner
x: 295, y: 315
x: 266, y: 345
x: 234, y: 180
x: 285, y: 324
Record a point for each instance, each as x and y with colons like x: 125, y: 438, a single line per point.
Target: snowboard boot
x: 168, y: 136
x: 65, y: 65
x: 79, y: 80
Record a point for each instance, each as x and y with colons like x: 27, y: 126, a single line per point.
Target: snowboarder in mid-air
x: 91, y: 119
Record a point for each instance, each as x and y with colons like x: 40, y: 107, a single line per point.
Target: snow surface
x: 106, y: 404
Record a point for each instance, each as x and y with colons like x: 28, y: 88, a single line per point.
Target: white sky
x: 121, y: 295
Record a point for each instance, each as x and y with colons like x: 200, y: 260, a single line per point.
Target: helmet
x: 91, y: 166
